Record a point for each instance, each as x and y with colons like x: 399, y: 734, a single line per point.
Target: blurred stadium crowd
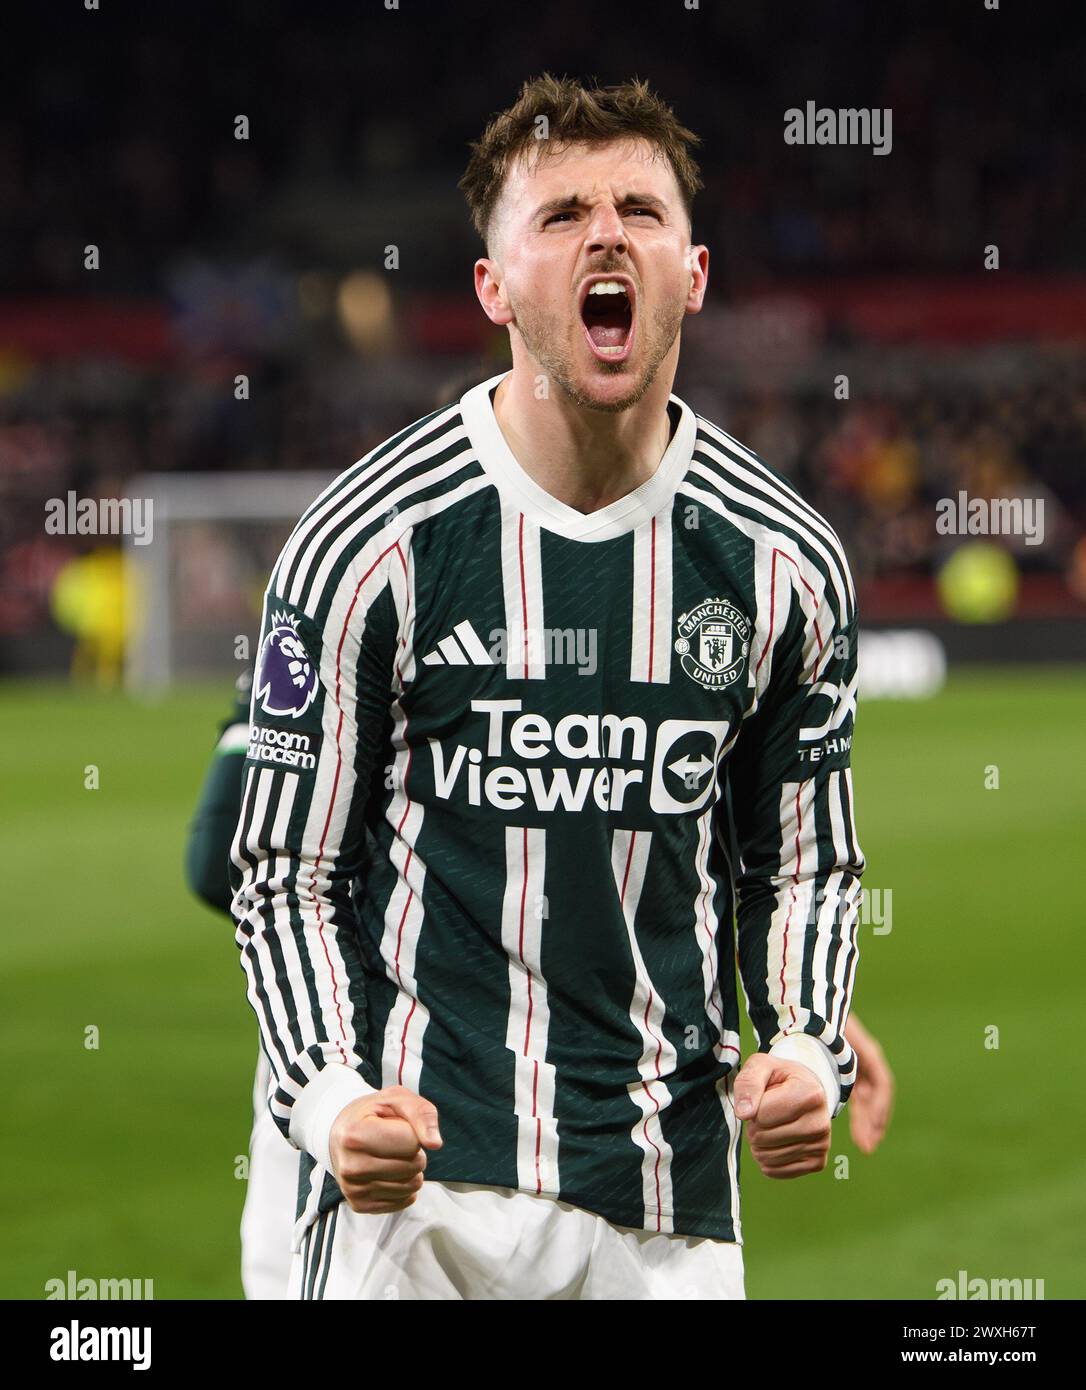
x: 268, y: 258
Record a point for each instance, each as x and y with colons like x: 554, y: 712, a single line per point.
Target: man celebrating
x: 563, y: 678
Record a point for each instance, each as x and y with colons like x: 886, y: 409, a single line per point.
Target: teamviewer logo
x: 684, y: 764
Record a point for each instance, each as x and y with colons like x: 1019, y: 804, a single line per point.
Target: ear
x: 697, y: 262
x: 490, y: 289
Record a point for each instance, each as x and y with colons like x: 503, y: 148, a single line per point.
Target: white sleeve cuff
x: 314, y: 1112
x: 812, y: 1053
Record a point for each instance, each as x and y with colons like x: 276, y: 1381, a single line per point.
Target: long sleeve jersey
x: 524, y: 786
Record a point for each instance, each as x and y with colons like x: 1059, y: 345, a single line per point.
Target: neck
x: 584, y: 458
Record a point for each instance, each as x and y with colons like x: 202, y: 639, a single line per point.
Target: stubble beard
x: 542, y: 338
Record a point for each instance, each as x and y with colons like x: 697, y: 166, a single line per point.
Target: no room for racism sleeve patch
x: 287, y: 697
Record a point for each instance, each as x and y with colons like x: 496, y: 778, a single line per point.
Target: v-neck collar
x: 617, y: 518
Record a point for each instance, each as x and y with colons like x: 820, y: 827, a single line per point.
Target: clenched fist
x: 787, y: 1120
x: 377, y: 1147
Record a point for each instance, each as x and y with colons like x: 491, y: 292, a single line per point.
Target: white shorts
x: 267, y: 1219
x: 466, y: 1241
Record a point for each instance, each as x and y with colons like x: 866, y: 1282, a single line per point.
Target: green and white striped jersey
x: 524, y: 783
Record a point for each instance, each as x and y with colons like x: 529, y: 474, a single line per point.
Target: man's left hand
x: 784, y: 1109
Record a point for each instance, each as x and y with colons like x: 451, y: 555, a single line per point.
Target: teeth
x: 607, y: 287
x: 620, y: 348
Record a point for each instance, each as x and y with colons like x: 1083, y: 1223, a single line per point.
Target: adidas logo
x: 462, y: 647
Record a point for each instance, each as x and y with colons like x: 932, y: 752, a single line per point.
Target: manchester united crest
x: 713, y: 643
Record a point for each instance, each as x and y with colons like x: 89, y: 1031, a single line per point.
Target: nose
x: 606, y: 231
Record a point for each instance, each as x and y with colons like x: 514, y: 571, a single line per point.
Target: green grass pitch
x: 119, y: 1162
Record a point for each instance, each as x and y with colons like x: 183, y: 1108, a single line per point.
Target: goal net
x: 198, y: 584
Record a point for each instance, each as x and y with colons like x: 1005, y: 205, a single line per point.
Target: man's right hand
x: 377, y: 1149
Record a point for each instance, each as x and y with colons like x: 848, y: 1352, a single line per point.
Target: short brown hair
x: 575, y: 115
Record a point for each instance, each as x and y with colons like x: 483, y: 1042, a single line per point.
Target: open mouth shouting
x: 608, y: 303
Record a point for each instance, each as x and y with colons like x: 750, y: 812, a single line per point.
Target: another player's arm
x: 798, y: 886
x: 872, y: 1101
x: 207, y: 848
x: 320, y: 700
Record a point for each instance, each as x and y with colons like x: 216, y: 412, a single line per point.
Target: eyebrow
x: 573, y: 201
